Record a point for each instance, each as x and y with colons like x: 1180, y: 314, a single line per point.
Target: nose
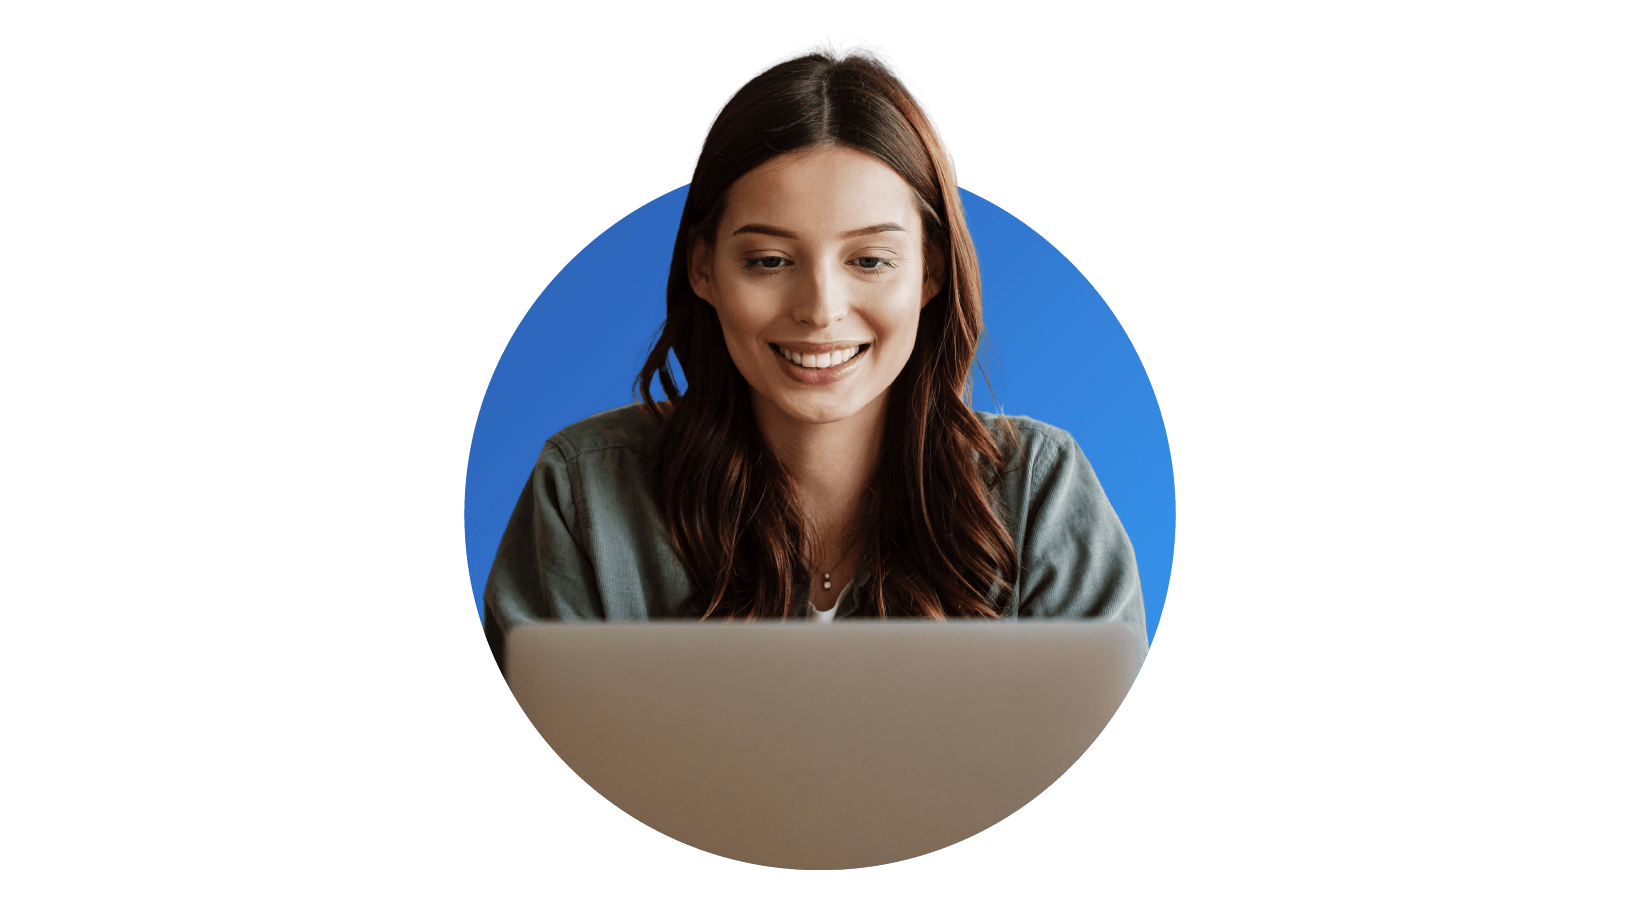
x: 822, y: 302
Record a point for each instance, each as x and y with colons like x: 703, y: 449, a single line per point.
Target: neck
x: 832, y: 465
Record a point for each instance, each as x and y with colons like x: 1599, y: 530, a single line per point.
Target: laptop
x: 820, y: 746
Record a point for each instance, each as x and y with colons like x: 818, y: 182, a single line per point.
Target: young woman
x: 820, y: 459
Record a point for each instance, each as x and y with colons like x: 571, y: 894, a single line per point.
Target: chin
x: 817, y: 415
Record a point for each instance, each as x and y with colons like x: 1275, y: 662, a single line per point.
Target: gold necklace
x: 825, y: 577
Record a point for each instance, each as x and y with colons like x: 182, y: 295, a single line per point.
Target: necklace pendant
x: 825, y: 581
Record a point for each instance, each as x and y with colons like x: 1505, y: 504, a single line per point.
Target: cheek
x: 742, y: 327
x: 907, y: 320
x: 904, y: 327
x: 730, y: 313
x: 742, y: 311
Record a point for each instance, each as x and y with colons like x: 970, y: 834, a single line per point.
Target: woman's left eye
x: 872, y: 263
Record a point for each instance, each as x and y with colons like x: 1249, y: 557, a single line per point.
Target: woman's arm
x: 1076, y: 561
x: 541, y: 572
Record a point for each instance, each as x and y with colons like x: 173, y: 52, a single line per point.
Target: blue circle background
x: 1055, y: 352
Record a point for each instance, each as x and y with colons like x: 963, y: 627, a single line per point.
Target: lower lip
x: 810, y: 376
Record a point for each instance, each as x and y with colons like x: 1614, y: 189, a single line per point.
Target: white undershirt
x: 816, y: 615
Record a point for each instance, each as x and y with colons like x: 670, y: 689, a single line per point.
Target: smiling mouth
x: 829, y: 360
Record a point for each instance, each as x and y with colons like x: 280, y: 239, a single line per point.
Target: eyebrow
x: 772, y: 231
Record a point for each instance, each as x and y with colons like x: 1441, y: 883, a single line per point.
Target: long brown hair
x: 934, y: 545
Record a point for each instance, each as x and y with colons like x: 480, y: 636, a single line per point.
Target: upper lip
x: 829, y: 347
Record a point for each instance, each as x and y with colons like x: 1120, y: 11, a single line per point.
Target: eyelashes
x: 768, y: 265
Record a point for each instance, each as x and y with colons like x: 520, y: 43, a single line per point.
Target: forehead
x: 821, y: 192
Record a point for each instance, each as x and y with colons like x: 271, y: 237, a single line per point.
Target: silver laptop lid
x: 820, y: 746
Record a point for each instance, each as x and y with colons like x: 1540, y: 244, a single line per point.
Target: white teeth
x: 820, y: 360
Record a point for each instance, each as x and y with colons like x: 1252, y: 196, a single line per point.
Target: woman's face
x: 818, y: 278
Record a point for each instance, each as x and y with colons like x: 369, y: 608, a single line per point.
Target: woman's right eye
x: 767, y: 262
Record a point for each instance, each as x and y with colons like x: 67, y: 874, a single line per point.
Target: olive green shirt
x: 587, y: 541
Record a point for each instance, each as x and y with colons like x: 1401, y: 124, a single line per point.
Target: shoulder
x: 1038, y: 441
x: 1045, y: 464
x: 624, y: 428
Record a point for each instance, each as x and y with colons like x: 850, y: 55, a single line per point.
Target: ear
x: 933, y: 274
x: 700, y: 271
